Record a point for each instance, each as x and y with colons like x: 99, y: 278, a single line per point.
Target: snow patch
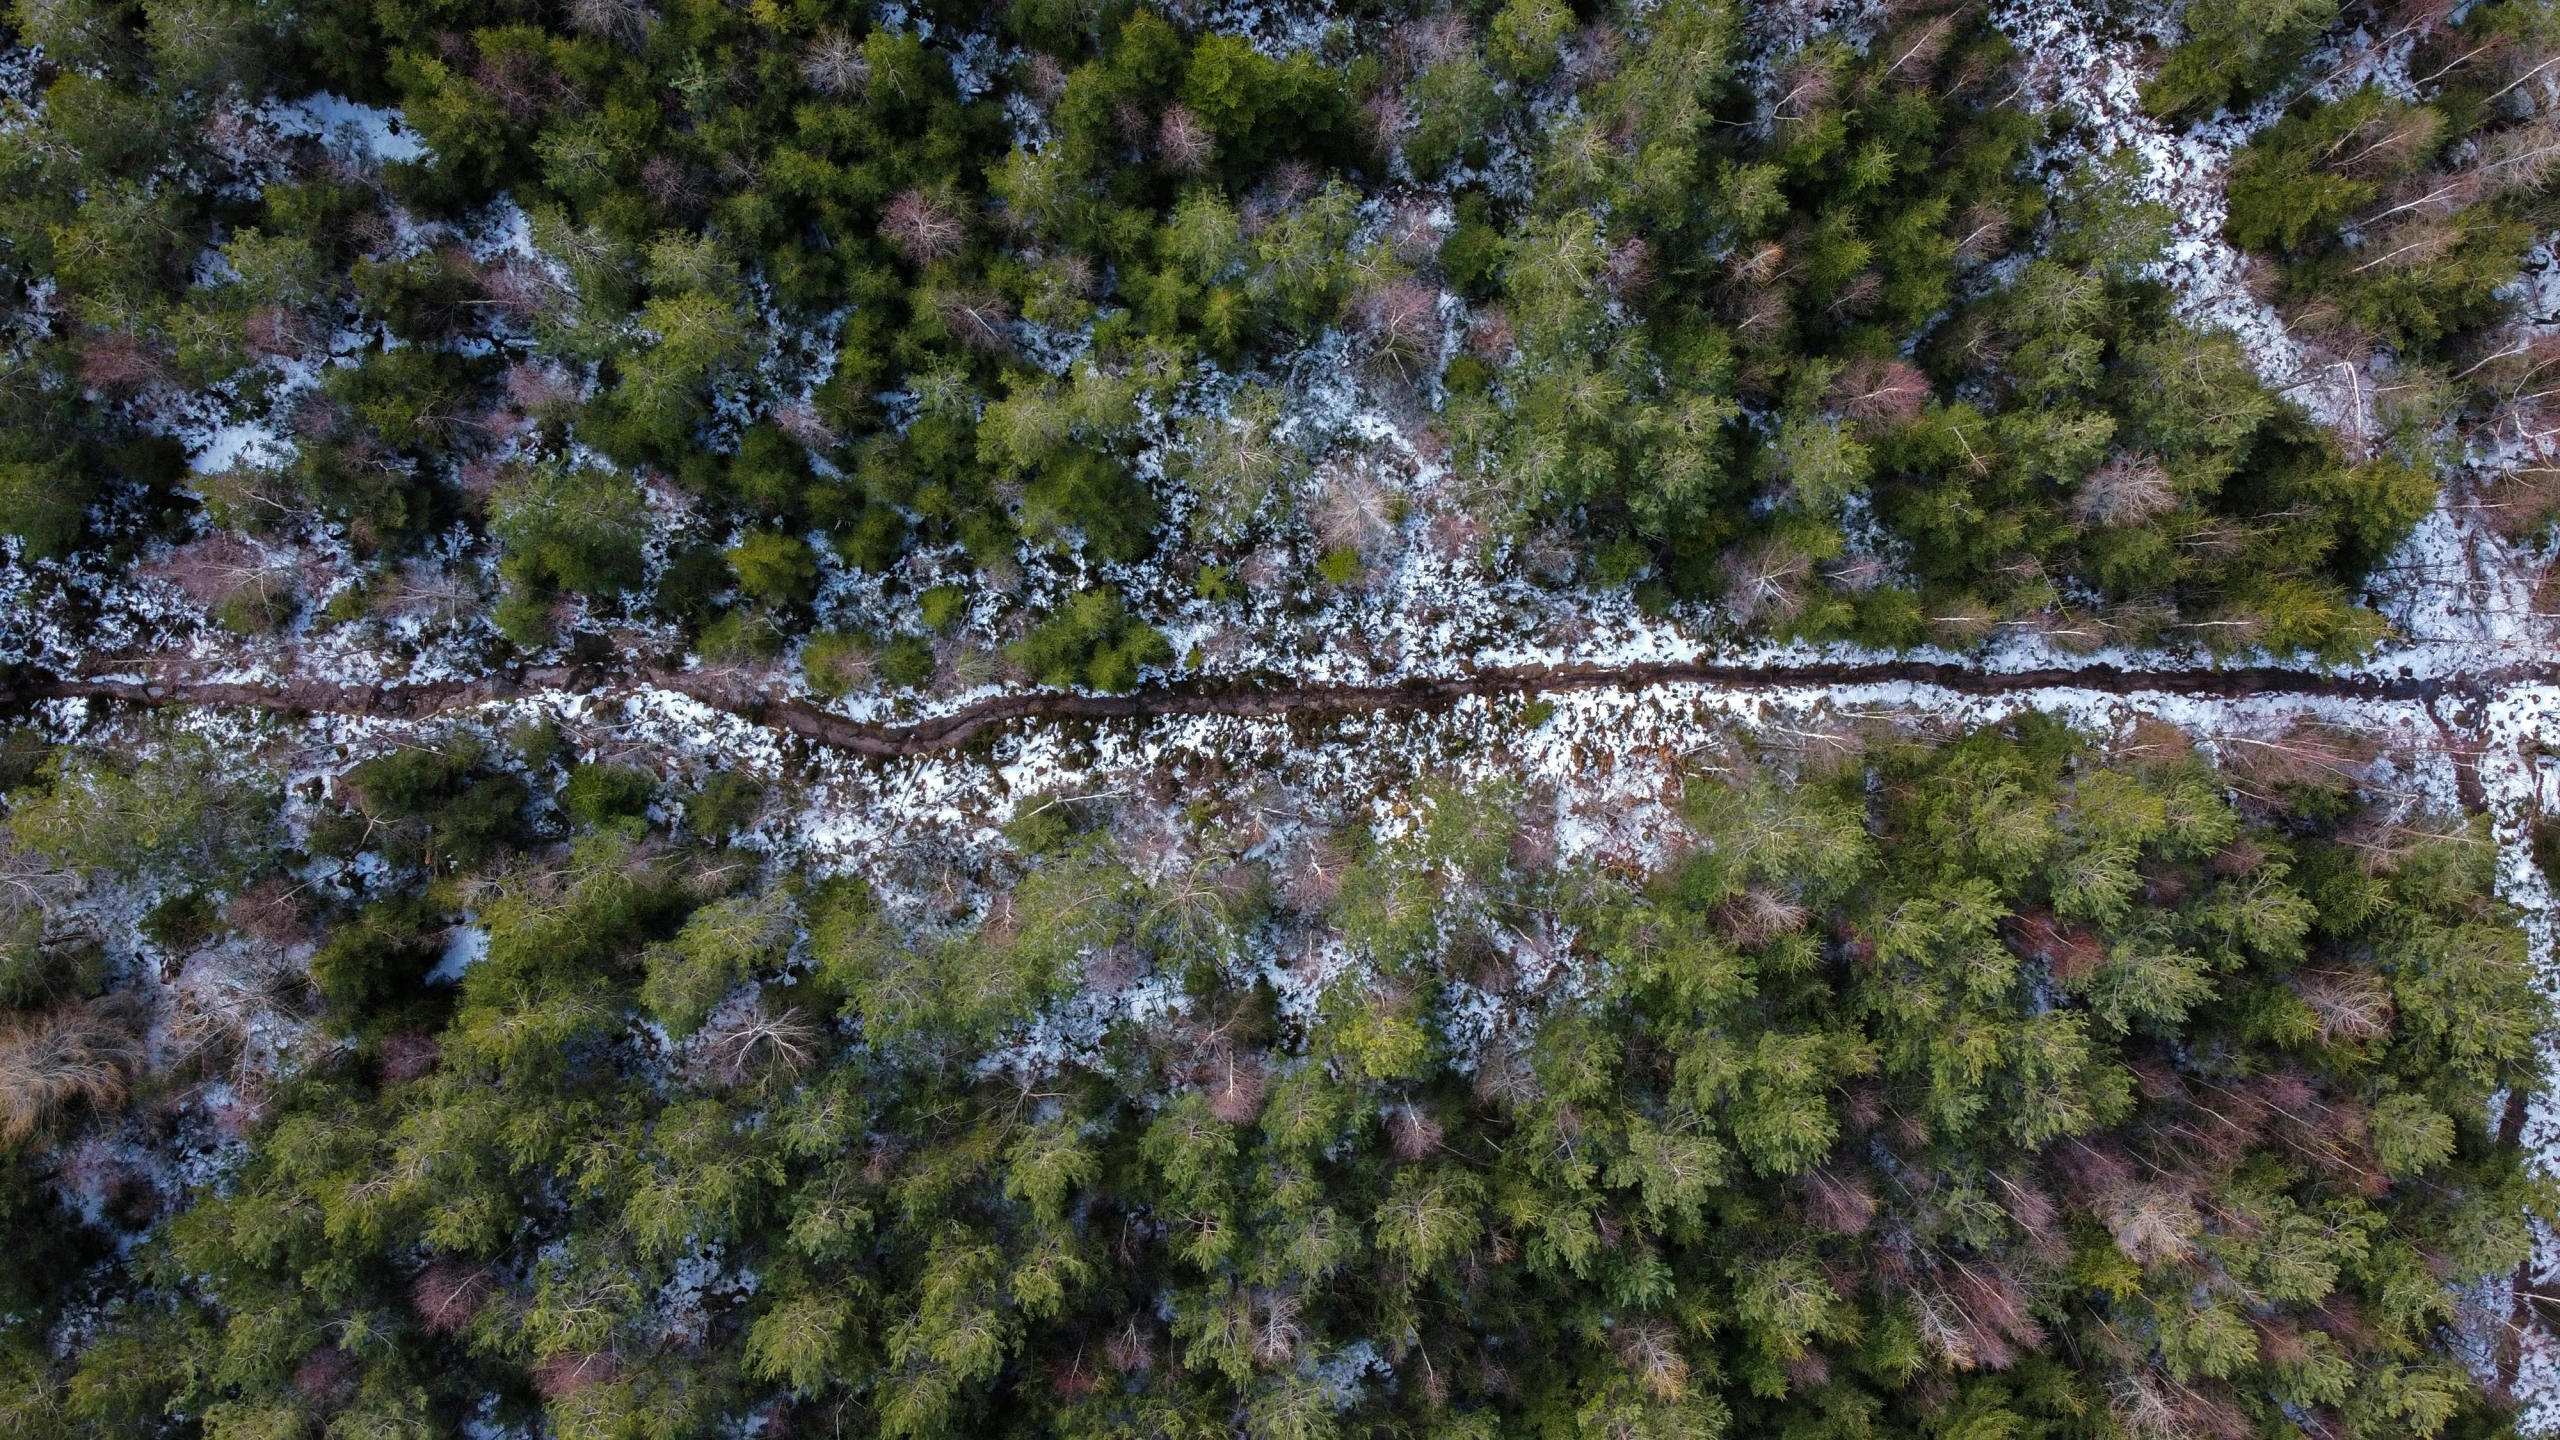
x: 365, y: 131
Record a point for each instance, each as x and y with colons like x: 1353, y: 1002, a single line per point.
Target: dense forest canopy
x: 507, y: 1054
x: 1015, y: 306
x: 2014, y: 1084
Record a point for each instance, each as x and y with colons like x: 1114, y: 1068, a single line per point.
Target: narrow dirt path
x: 739, y: 694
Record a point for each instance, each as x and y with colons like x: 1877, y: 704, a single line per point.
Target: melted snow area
x: 1600, y: 769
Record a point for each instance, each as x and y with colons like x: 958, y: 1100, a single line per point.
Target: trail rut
x: 739, y: 694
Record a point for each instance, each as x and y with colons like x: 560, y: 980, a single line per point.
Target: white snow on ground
x: 1277, y: 30
x: 2068, y: 63
x: 248, y: 444
x: 463, y: 947
x: 367, y: 130
x: 2521, y: 777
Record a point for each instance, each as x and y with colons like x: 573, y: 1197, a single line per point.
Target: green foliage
x: 720, y: 945
x: 1710, y: 325
x: 2232, y: 51
x: 835, y: 663
x: 1958, y: 1089
x: 189, y: 810
x: 906, y: 661
x: 602, y: 795
x: 375, y: 960
x: 942, y: 606
x: 2380, y: 213
x: 1091, y: 641
x: 722, y: 804
x: 41, y: 503
x: 777, y: 569
x: 569, y: 527
x: 1999, y: 1089
x: 452, y: 806
x: 1526, y: 37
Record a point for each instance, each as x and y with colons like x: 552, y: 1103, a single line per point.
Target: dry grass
x: 561, y: 1376
x: 2310, y: 753
x: 1879, y: 394
x: 1650, y: 1348
x: 835, y: 65
x: 1353, y: 511
x: 1765, y: 580
x: 618, y: 22
x: 2151, y: 1224
x: 1758, y: 915
x: 224, y: 993
x: 1185, y: 140
x: 53, y: 1063
x: 2348, y: 1005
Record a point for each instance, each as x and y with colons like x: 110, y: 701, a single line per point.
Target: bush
x: 943, y: 606
x: 836, y: 664
x: 43, y: 504
x: 525, y: 619
x: 601, y: 796
x: 1527, y: 36
x: 576, y: 528
x: 777, y: 569
x: 181, y: 922
x: 184, y: 810
x: 1094, y: 497
x: 461, y: 812
x: 1091, y: 641
x: 723, y: 804
x: 720, y: 945
x: 376, y: 960
x: 906, y: 662
x: 741, y: 636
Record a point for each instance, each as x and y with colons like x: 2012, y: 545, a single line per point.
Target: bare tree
x: 923, y: 226
x: 619, y: 22
x: 834, y: 64
x: 1185, y: 140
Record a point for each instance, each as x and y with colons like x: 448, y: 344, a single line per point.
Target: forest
x: 2016, y: 1082
x: 497, y: 496
x: 1836, y: 341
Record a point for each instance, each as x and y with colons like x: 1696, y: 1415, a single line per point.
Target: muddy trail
x: 741, y: 694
